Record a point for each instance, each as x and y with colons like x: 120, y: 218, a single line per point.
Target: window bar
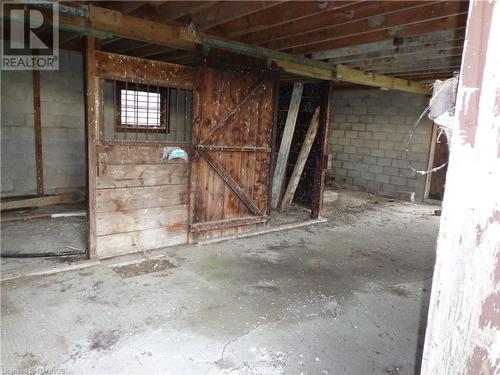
x: 115, y: 112
x: 126, y: 108
x: 184, y: 122
x: 158, y: 98
x: 136, y: 99
x: 147, y: 115
x: 176, y: 132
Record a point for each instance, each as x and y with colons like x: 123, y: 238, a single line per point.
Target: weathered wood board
x: 141, y: 203
x: 138, y: 201
x: 232, y: 140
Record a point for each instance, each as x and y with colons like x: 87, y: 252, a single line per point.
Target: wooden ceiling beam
x: 207, y: 18
x: 128, y: 7
x: 111, y: 22
x: 289, y: 11
x: 149, y: 50
x: 392, y: 57
x: 227, y: 11
x: 413, y: 15
x: 347, y: 74
x: 170, y: 11
x: 406, y: 42
x: 347, y: 16
x: 450, y: 65
x: 445, y: 23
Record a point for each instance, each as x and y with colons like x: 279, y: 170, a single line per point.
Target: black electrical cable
x: 41, y: 255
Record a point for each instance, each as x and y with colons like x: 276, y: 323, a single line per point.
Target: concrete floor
x: 345, y: 297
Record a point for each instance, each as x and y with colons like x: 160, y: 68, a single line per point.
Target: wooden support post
x: 92, y: 131
x: 463, y: 327
x: 322, y: 157
x: 37, y: 116
x: 301, y: 162
x: 286, y: 141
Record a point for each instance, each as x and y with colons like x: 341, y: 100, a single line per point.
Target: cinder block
x: 357, y: 142
x: 364, y: 151
x: 355, y: 158
x: 368, y: 175
x: 396, y: 137
x: 369, y: 160
x: 400, y: 181
x: 351, y: 134
x: 349, y: 149
x: 386, y: 145
x: 353, y: 118
x: 382, y: 178
x: 338, y: 133
x: 391, y: 171
x: 340, y: 172
x: 359, y: 127
x: 394, y: 154
x: 346, y: 110
x: 366, y: 118
x: 344, y: 141
x: 355, y: 102
x: 338, y: 117
x: 360, y: 110
x: 342, y: 157
x: 369, y: 143
x: 353, y: 173
x: 377, y: 169
x: 376, y: 152
x: 384, y: 161
x: 380, y: 136
x: 361, y: 167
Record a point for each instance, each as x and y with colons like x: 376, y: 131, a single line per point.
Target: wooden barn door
x: 232, y: 138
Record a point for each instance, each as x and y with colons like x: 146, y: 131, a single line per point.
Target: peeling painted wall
x: 463, y: 330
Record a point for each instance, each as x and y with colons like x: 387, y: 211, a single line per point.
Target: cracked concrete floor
x: 345, y: 297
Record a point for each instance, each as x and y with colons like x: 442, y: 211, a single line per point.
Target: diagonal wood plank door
x: 232, y: 139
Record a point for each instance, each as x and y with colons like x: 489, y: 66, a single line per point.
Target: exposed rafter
x: 126, y: 26
x: 409, y: 16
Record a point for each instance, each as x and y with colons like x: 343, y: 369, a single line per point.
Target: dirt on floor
x: 348, y: 296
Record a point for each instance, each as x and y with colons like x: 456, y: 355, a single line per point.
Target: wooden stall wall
x: 310, y: 188
x: 139, y: 201
x: 232, y: 140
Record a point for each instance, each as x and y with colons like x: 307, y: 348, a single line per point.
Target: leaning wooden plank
x: 42, y: 201
x: 286, y: 141
x: 170, y: 218
x: 228, y: 223
x: 142, y: 240
x: 301, y: 162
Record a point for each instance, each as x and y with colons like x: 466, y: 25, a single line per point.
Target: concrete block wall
x: 63, y: 129
x: 368, y: 136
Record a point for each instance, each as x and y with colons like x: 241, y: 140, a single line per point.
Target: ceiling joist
x: 126, y: 26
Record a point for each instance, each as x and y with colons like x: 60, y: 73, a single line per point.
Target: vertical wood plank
x: 301, y: 162
x: 92, y: 128
x: 322, y: 162
x: 37, y: 115
x: 281, y: 162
